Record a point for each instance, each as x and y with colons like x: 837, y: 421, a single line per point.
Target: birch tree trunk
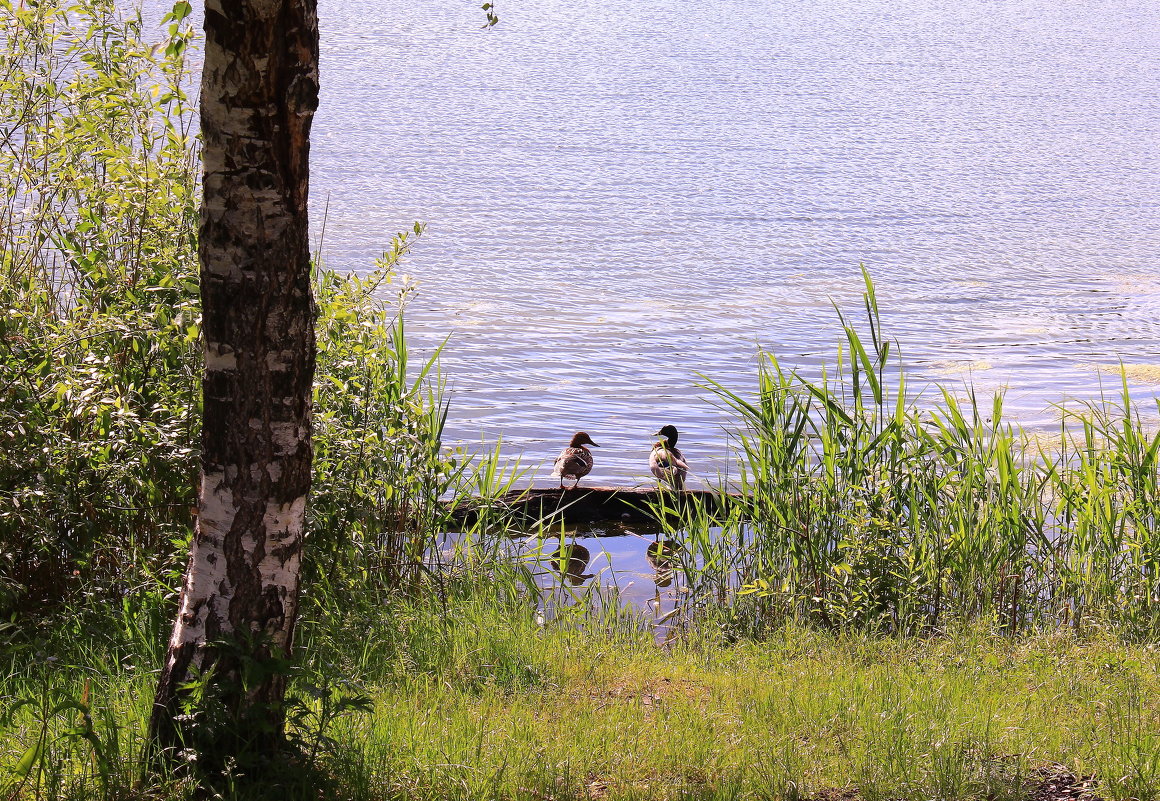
x: 240, y: 597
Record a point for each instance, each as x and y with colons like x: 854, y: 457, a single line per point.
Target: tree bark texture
x: 239, y: 601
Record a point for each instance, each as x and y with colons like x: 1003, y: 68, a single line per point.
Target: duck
x: 575, y: 461
x: 667, y: 463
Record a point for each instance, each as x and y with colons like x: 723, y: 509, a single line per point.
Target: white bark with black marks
x: 259, y: 93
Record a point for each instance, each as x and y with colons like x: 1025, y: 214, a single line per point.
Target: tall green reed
x: 860, y: 505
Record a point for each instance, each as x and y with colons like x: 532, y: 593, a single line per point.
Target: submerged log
x: 597, y: 504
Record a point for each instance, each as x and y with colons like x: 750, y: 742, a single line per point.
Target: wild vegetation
x: 864, y: 504
x: 909, y: 598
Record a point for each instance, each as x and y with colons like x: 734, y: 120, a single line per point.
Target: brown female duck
x: 575, y: 461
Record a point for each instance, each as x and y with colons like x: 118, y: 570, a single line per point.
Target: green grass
x: 970, y: 715
x: 483, y: 702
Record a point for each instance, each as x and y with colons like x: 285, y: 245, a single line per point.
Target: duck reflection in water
x: 660, y: 555
x: 569, y: 560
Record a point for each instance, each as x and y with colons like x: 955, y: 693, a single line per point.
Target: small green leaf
x: 24, y: 766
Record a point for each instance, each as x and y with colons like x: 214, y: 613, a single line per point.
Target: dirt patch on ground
x: 1047, y: 783
x: 836, y: 794
x: 1057, y: 783
x: 595, y: 788
x: 651, y: 692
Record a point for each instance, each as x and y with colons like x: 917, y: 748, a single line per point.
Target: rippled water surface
x: 623, y: 196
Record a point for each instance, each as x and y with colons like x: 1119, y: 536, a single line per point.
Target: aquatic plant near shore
x: 860, y: 507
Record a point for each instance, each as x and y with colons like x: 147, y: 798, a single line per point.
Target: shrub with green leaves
x: 380, y: 472
x: 100, y: 352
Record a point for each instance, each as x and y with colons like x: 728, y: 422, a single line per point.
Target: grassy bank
x: 483, y: 702
x: 799, y: 716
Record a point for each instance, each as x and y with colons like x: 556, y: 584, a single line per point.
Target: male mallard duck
x: 575, y: 461
x: 667, y: 463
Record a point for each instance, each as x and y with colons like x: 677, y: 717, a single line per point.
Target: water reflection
x: 569, y: 561
x: 599, y: 567
x: 608, y: 564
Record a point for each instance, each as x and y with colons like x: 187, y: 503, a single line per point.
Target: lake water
x: 621, y: 197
